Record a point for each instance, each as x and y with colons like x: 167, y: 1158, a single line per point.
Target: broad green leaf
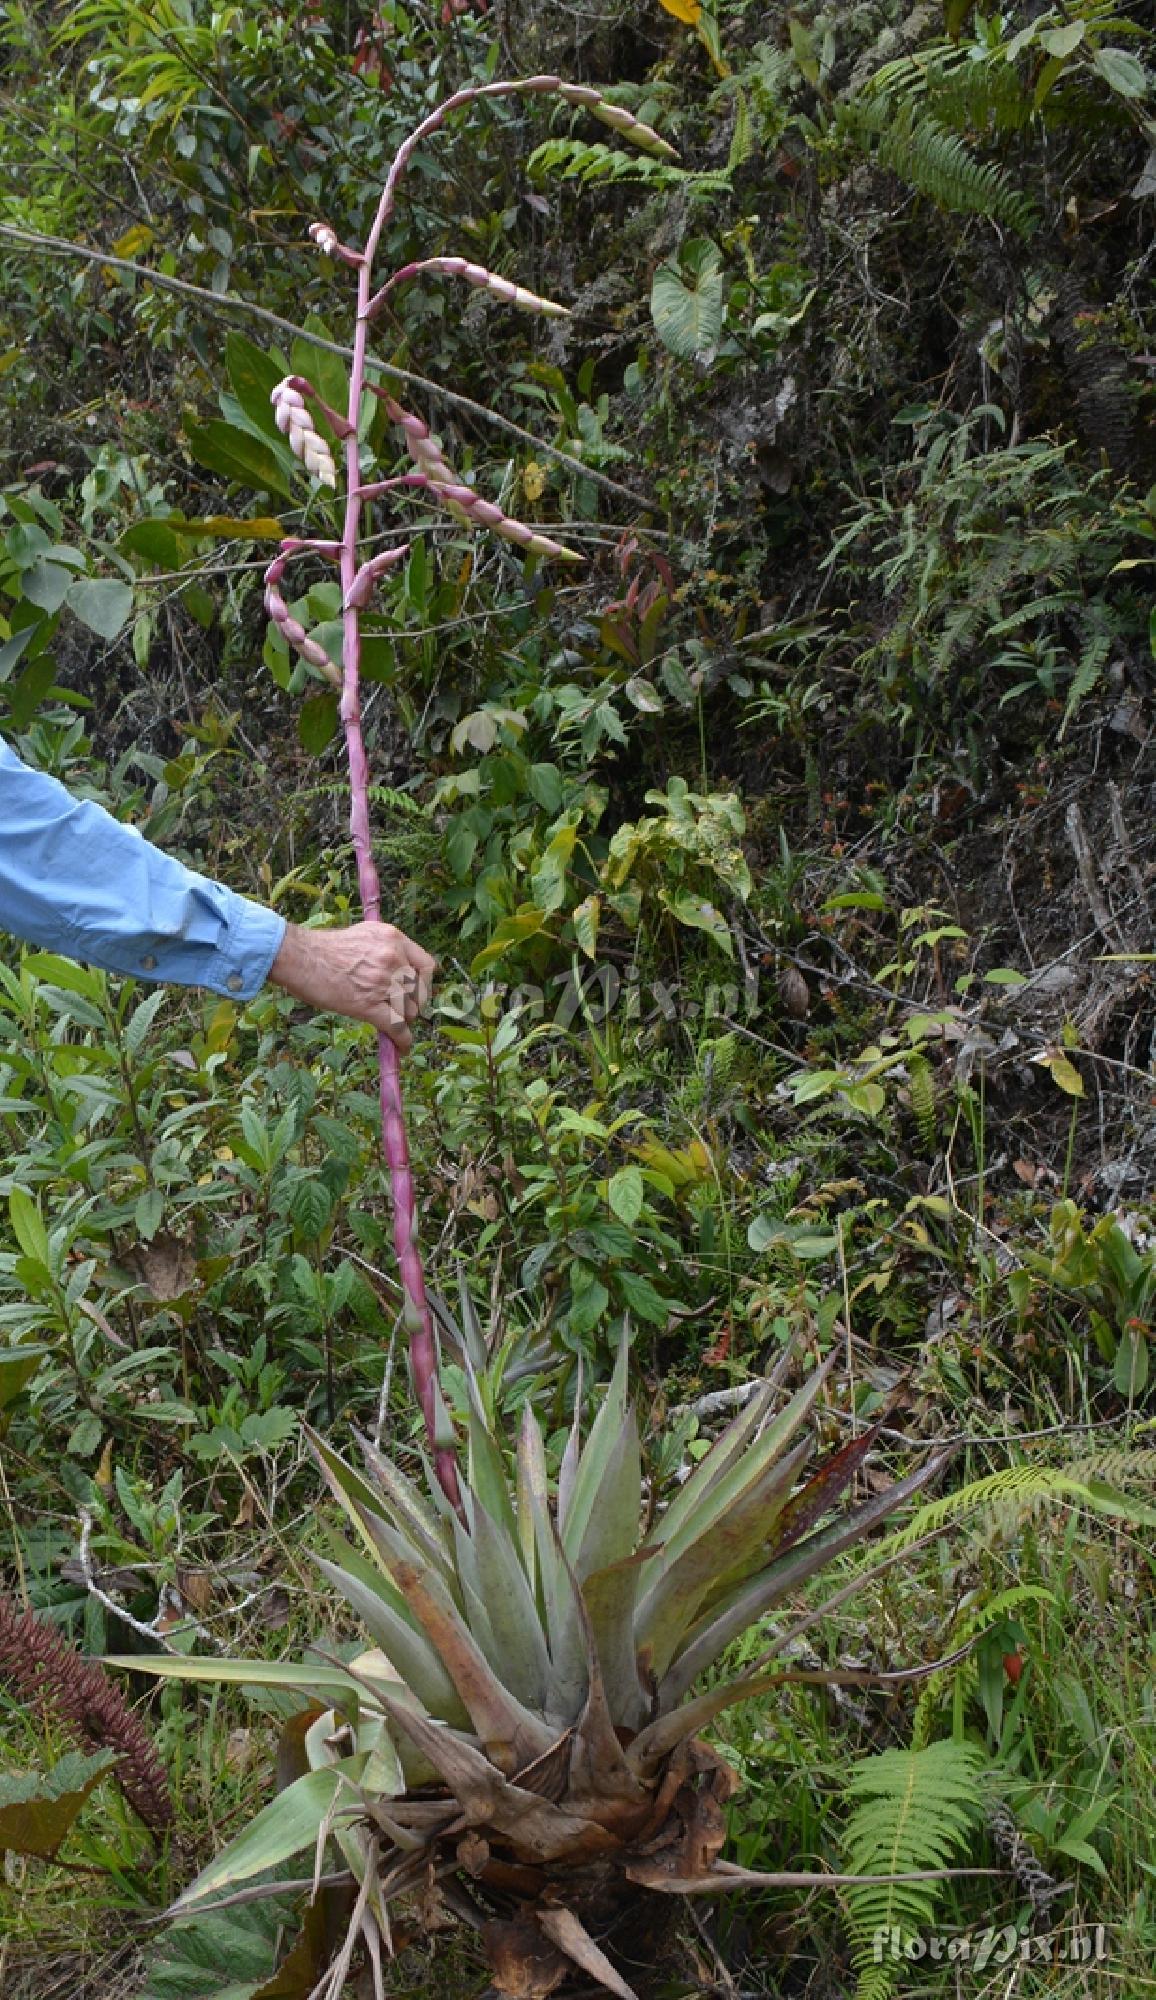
x: 585, y: 919
x: 230, y: 1954
x: 101, y: 603
x: 545, y: 783
x: 1061, y: 42
x: 45, y: 584
x: 1063, y: 1072
x: 626, y: 1192
x: 288, y: 1825
x: 688, y: 315
x: 148, y: 1213
x: 1130, y: 1374
x: 548, y: 881
x: 228, y: 450
x: 71, y: 979
x: 310, y: 1207
x: 17, y: 1367
x: 318, y: 721
x: 512, y: 930
x: 34, y: 686
x: 28, y: 1226
x: 328, y: 373
x: 38, y: 1808
x: 154, y: 541
x: 643, y: 1298
x: 254, y: 375
x: 700, y: 915
x: 1122, y: 72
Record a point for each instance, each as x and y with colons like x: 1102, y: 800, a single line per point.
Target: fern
x: 574, y: 159
x: 921, y: 1090
x: 914, y: 1809
x: 1121, y: 1466
x: 934, y: 161
x: 1013, y: 1496
x: 1030, y: 614
x: 942, y: 81
x: 1088, y: 670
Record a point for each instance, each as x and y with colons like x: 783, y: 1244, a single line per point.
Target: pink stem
x: 418, y: 1318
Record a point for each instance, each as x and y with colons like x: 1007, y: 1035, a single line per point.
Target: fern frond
x: 1015, y: 1494
x: 574, y: 159
x: 984, y: 99
x: 1088, y: 671
x: 914, y: 1809
x: 1030, y: 614
x: 921, y: 1090
x: 1120, y: 1467
x: 935, y: 162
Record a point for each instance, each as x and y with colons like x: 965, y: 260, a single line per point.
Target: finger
x: 423, y: 962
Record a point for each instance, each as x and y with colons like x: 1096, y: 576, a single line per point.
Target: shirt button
x: 234, y: 982
x: 148, y: 962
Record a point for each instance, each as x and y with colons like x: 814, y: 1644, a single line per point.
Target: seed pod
x: 294, y: 420
x: 619, y: 119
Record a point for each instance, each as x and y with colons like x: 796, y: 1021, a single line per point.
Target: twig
x: 94, y: 1589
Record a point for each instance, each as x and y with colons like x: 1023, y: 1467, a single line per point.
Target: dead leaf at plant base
x: 524, y: 1963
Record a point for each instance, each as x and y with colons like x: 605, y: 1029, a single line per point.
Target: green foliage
x: 913, y: 1809
x: 997, y: 568
x: 37, y: 1810
x: 1117, y: 1282
x: 579, y: 160
x: 934, y: 161
x: 875, y: 603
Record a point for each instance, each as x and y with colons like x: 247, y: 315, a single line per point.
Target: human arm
x: 74, y: 880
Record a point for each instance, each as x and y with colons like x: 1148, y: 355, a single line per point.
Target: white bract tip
x: 294, y: 419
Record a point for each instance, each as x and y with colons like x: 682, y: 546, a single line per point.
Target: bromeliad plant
x: 521, y: 1736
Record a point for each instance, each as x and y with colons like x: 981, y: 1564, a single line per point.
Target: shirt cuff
x: 244, y: 958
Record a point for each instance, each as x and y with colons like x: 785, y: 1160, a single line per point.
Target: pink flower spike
x: 305, y: 440
x: 330, y: 244
x: 361, y: 589
x: 302, y: 386
x: 474, y: 274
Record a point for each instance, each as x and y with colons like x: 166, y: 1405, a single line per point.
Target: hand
x: 369, y: 972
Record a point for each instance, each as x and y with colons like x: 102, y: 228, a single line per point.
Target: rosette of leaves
x: 519, y: 1739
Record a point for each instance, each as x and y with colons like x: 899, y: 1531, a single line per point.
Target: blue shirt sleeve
x: 76, y: 881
